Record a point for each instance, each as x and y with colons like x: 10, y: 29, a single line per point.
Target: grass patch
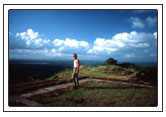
x: 100, y: 71
x: 95, y: 94
x: 109, y: 72
x: 117, y: 72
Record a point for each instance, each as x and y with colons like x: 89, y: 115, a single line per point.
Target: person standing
x: 75, y: 70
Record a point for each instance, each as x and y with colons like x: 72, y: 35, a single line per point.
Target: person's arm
x: 78, y: 64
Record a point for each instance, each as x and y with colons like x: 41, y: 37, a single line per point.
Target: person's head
x: 75, y: 56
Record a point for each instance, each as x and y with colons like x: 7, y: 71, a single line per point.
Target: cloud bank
x: 123, y: 41
x: 31, y: 43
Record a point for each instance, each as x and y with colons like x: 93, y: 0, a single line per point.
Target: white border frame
x: 143, y: 6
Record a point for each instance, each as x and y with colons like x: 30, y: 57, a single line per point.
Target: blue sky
x: 126, y: 35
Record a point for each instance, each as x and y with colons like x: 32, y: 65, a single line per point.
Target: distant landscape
x: 109, y: 83
x: 30, y: 70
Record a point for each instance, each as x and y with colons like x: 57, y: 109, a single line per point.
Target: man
x: 75, y: 70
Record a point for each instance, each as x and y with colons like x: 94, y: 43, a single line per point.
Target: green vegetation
x: 95, y: 93
x: 105, y: 71
x: 101, y: 94
x: 110, y: 61
x: 112, y: 70
x: 123, y: 72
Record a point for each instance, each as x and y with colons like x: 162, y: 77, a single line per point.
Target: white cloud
x: 61, y: 48
x: 84, y: 43
x: 32, y: 34
x: 33, y: 38
x: 28, y: 42
x: 151, y: 22
x: 58, y: 42
x: 155, y: 35
x: 53, y: 50
x: 35, y: 54
x: 29, y: 34
x: 122, y: 41
x: 37, y: 41
x: 142, y: 11
x: 22, y: 35
x: 141, y: 23
x: 72, y: 43
x: 139, y: 45
x: 108, y: 42
x: 46, y: 41
x: 131, y: 55
x: 137, y: 22
x: 107, y: 45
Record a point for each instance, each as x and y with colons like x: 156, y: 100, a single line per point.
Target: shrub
x: 111, y: 61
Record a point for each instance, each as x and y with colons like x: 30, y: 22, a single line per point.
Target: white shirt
x: 75, y: 63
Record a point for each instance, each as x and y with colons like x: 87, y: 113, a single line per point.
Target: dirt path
x: 23, y: 97
x: 52, y: 88
x: 23, y: 101
x: 120, y: 82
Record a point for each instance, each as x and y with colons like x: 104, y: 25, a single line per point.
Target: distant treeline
x: 112, y: 61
